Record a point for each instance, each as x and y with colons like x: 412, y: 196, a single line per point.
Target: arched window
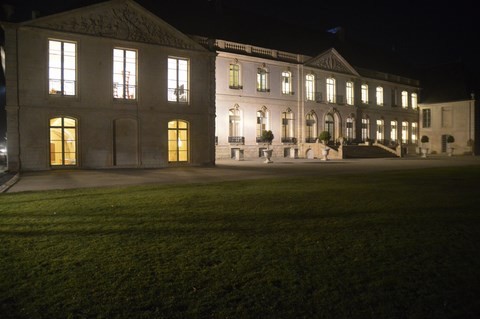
x: 364, y: 93
x: 262, y: 122
x: 349, y: 93
x: 235, y: 125
x: 330, y: 125
x: 310, y: 87
x: 350, y: 126
x: 379, y: 95
x: 380, y: 131
x: 365, y: 129
x: 331, y: 90
x: 287, y: 82
x: 310, y: 127
x: 287, y: 127
x: 234, y: 76
x: 404, y: 99
x: 178, y: 141
x: 63, y: 141
x: 262, y: 80
x: 393, y: 131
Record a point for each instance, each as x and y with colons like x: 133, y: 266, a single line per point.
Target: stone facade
x: 439, y: 120
x: 296, y: 114
x: 92, y: 125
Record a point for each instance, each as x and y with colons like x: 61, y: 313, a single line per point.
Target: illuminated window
x: 350, y: 125
x: 404, y: 99
x: 365, y: 129
x: 262, y: 80
x: 414, y: 101
x: 262, y: 120
x: 331, y: 90
x: 310, y: 87
x: 310, y: 127
x: 350, y: 93
x: 177, y: 141
x: 234, y: 125
x: 426, y: 118
x: 393, y: 131
x: 379, y: 95
x: 178, y: 89
x: 62, y: 67
x: 414, y: 132
x: 287, y: 127
x: 124, y: 74
x: 364, y: 89
x: 286, y: 82
x: 404, y: 132
x: 63, y: 141
x: 234, y: 82
x: 380, y: 131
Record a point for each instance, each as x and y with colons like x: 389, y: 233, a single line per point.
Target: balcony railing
x: 236, y: 139
x: 289, y: 140
x: 310, y: 139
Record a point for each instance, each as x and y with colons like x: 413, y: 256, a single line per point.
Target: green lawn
x: 388, y: 245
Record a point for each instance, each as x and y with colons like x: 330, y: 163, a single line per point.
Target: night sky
x: 395, y: 37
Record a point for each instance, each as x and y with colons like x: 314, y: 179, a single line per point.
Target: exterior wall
x: 30, y: 106
x: 450, y: 118
x: 249, y: 101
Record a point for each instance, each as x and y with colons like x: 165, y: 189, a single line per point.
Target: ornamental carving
x: 331, y: 63
x: 120, y: 23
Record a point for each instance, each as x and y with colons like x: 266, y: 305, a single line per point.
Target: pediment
x: 118, y: 19
x: 331, y: 60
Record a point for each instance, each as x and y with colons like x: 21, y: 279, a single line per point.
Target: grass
x: 387, y: 245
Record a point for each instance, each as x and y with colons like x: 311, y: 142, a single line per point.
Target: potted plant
x: 423, y: 149
x: 325, y: 137
x: 267, y: 137
x: 450, y: 140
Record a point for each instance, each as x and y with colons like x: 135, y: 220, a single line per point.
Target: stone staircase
x: 364, y: 151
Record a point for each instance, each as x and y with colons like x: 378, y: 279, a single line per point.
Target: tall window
x: 62, y: 67
x: 379, y: 95
x: 234, y: 126
x: 178, y: 89
x: 393, y: 131
x: 404, y: 99
x: 350, y: 124
x: 350, y: 93
x: 234, y: 78
x: 286, y: 82
x: 414, y: 132
x: 287, y: 127
x: 310, y: 127
x: 261, y: 122
x: 330, y: 125
x: 331, y: 90
x: 365, y: 129
x: 262, y: 80
x: 380, y: 131
x: 414, y: 101
x: 177, y: 141
x: 310, y: 87
x: 426, y: 118
x: 63, y: 141
x: 404, y: 132
x: 124, y: 74
x: 364, y: 89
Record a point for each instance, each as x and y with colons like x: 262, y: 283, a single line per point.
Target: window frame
x: 262, y: 80
x: 405, y: 99
x: 331, y: 89
x: 63, y: 128
x: 349, y: 88
x: 234, y: 76
x: 379, y: 95
x: 125, y: 96
x: 364, y: 95
x: 310, y: 87
x: 426, y: 118
x: 51, y: 91
x: 287, y: 83
x: 181, y: 88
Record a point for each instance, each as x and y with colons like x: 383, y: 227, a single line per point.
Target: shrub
x: 267, y: 136
x: 324, y: 136
x: 424, y: 139
x: 450, y: 139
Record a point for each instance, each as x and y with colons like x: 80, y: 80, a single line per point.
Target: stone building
x: 297, y: 96
x: 108, y: 85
